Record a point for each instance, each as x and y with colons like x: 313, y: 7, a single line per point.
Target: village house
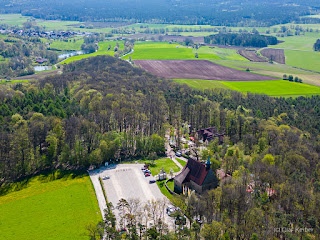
x: 208, y: 134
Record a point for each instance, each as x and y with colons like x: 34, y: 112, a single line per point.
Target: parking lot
x: 128, y: 181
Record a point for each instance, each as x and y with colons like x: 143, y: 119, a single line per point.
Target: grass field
x: 70, y: 45
x: 164, y: 50
x: 297, y: 42
x: 303, y: 59
x: 165, y: 163
x: 13, y: 19
x: 103, y: 50
x: 272, y: 88
x: 59, y: 209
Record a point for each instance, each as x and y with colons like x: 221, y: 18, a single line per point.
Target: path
x: 94, y: 175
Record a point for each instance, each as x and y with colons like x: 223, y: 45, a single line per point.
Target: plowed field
x: 197, y: 69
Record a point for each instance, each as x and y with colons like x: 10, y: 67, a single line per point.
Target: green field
x: 164, y: 50
x: 59, y: 209
x: 272, y: 88
x: 70, y: 45
x: 13, y: 19
x: 103, y: 50
x: 297, y: 42
x: 303, y: 59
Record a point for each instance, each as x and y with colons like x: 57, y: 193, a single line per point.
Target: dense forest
x: 103, y: 109
x: 241, y: 39
x: 316, y: 46
x: 248, y: 13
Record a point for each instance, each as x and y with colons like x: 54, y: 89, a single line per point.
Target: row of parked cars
x: 147, y: 173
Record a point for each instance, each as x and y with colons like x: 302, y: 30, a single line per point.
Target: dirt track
x: 197, y: 69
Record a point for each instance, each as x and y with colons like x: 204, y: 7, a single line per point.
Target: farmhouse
x: 196, y: 176
x: 209, y: 134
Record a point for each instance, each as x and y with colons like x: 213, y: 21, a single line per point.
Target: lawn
x: 272, y: 88
x: 222, y: 53
x: 59, y: 209
x: 183, y: 163
x: 165, y: 163
x: 103, y: 50
x: 164, y: 50
x: 303, y: 59
x: 70, y: 45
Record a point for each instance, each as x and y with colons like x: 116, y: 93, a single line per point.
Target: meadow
x: 70, y: 45
x: 303, y: 59
x: 103, y: 50
x: 271, y: 88
x: 166, y: 163
x: 59, y: 209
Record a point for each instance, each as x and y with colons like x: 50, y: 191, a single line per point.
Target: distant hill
x: 249, y: 12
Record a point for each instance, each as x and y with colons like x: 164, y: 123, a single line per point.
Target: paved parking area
x: 128, y: 181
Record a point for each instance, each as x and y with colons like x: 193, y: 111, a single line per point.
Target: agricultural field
x: 103, y: 50
x: 197, y: 69
x: 13, y: 19
x: 276, y: 55
x: 271, y: 88
x: 252, y: 56
x: 297, y: 42
x: 59, y: 209
x: 303, y: 59
x: 164, y: 50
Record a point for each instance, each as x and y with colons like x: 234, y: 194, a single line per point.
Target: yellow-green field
x: 59, y: 209
x: 272, y: 88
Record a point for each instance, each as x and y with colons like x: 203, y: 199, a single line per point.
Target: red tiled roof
x: 194, y: 171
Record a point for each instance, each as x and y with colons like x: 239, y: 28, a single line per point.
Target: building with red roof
x: 196, y: 176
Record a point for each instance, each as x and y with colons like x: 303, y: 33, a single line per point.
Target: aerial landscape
x: 160, y: 119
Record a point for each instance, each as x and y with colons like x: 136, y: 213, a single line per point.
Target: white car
x: 105, y: 177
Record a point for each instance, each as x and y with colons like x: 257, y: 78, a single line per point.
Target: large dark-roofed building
x: 196, y: 176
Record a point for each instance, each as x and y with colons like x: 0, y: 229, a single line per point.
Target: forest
x: 241, y: 39
x: 103, y: 109
x: 248, y: 13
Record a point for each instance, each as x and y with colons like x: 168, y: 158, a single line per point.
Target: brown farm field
x: 197, y: 69
x: 251, y: 55
x: 276, y: 55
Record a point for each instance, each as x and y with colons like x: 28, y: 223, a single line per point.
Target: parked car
x: 178, y: 154
x: 152, y: 181
x: 142, y: 169
x: 147, y: 174
x: 147, y: 171
x: 105, y: 177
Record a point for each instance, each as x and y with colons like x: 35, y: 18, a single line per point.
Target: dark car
x: 147, y: 174
x: 152, y: 181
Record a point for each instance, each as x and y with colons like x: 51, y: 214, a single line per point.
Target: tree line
x: 242, y: 39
